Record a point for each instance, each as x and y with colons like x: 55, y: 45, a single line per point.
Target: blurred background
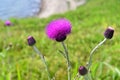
x: 89, y: 20
x: 40, y: 8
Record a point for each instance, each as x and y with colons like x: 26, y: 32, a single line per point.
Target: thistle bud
x: 31, y: 41
x: 8, y: 23
x: 109, y: 33
x: 82, y: 70
x: 60, y: 38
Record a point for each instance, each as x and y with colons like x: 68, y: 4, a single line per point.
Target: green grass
x: 19, y: 61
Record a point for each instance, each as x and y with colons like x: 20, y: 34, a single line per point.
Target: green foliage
x: 19, y: 62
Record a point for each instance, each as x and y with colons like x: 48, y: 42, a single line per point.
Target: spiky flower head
x: 109, y: 33
x: 82, y: 70
x: 7, y: 23
x: 58, y: 29
x: 31, y: 41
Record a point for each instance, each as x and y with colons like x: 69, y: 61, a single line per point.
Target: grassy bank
x: 19, y: 61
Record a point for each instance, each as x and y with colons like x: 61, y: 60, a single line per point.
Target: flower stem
x: 68, y: 61
x: 43, y: 60
x: 89, y: 75
x: 86, y: 77
x: 92, y: 52
x: 77, y: 76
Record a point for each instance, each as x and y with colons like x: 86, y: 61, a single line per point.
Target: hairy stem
x: 86, y: 77
x: 92, y: 52
x: 68, y: 61
x: 43, y: 60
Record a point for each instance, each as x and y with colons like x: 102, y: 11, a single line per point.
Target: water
x: 18, y: 8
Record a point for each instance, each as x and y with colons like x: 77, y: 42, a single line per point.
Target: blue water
x: 18, y: 8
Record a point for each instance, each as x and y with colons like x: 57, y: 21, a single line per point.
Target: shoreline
x: 51, y: 7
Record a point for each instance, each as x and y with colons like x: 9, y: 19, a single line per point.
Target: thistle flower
x: 8, y: 23
x: 58, y: 29
x: 109, y: 33
x: 82, y: 70
x: 31, y: 41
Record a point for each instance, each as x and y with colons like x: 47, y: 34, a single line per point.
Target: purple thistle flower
x: 58, y: 29
x: 31, y: 41
x: 109, y: 33
x: 8, y: 23
x: 82, y: 70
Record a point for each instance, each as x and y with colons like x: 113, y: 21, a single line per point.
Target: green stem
x: 86, y: 77
x: 77, y: 76
x: 43, y: 60
x: 89, y: 75
x: 92, y: 52
x: 68, y: 61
